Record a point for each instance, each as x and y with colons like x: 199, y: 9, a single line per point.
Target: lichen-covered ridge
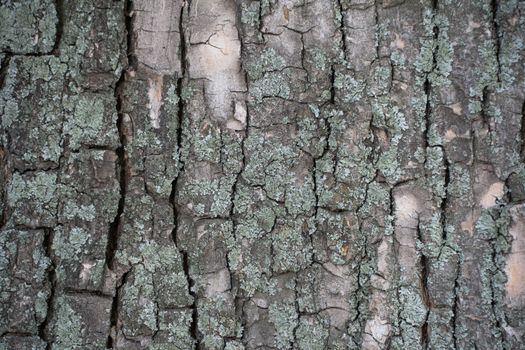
x: 262, y: 174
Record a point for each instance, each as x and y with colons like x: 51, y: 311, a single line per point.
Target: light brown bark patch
x: 215, y: 54
x: 515, y: 267
x: 155, y: 100
x: 156, y: 30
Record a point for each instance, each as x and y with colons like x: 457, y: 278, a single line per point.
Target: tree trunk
x: 273, y: 174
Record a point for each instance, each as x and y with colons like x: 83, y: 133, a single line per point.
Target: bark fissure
x: 124, y: 175
x: 43, y: 328
x: 315, y: 171
x: 522, y: 131
x: 496, y: 304
x: 423, y: 270
x: 485, y: 108
x: 181, y: 107
x: 4, y: 68
x: 4, y: 156
x: 455, y: 306
x: 496, y: 35
x: 444, y: 201
x: 59, y: 7
x: 111, y: 342
x: 281, y: 174
x: 194, y: 327
x: 342, y: 28
x: 377, y: 30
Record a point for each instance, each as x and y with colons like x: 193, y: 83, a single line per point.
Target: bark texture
x: 273, y: 174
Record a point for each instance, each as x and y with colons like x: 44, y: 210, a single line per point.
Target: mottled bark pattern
x: 273, y: 174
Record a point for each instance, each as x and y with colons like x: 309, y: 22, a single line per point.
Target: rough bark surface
x: 273, y: 174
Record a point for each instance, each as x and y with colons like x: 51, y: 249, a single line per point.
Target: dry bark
x: 273, y: 174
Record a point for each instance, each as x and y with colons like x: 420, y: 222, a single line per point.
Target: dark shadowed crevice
x: 342, y: 27
x: 455, y: 306
x: 423, y: 278
x: 114, y: 313
x: 485, y: 108
x: 332, y: 84
x: 43, y: 328
x: 4, y: 176
x: 194, y: 328
x: 496, y: 35
x: 115, y: 227
x: 59, y: 7
x: 123, y: 164
x: 522, y: 133
x: 4, y: 149
x: 427, y: 85
x: 444, y: 201
x: 378, y: 34
x: 297, y: 312
x: 428, y: 112
x: 488, y: 90
x: 123, y: 176
x: 173, y: 196
x: 180, y: 118
x: 3, y: 69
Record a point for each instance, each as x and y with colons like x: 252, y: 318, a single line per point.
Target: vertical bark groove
x: 115, y: 228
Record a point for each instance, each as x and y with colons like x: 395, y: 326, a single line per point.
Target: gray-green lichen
x: 68, y: 326
x: 435, y: 57
x: 28, y: 26
x: 34, y: 196
x: 285, y: 319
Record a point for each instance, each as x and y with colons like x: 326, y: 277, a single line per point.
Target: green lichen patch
x: 138, y: 305
x: 70, y: 246
x: 32, y: 114
x: 91, y: 121
x: 217, y: 321
x: 71, y: 325
x: 312, y: 333
x: 93, y: 44
x: 436, y: 53
x: 350, y: 88
x: 291, y: 247
x: 174, y: 331
x: 68, y: 327
x: 28, y: 26
x: 32, y: 197
x: 284, y: 318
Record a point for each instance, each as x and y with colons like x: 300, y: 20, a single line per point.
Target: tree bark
x: 273, y: 174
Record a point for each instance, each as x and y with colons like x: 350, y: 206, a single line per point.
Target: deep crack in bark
x: 173, y: 196
x: 43, y: 328
x: 59, y: 7
x: 115, y: 227
x: 496, y: 35
x: 423, y: 270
